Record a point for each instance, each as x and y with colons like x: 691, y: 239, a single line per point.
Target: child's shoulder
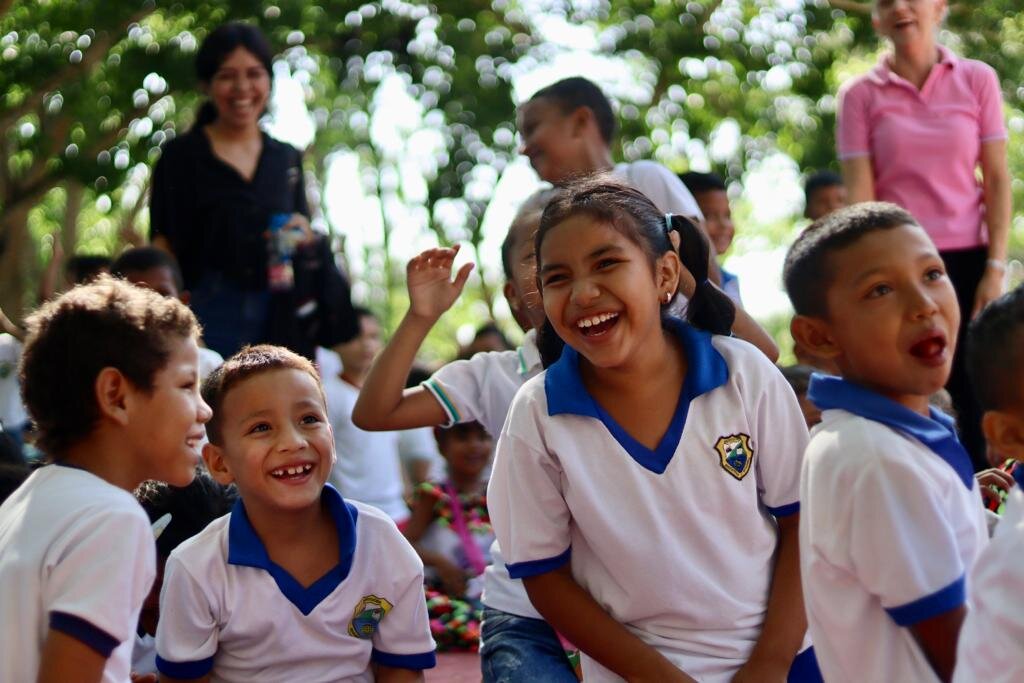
x: 748, y: 366
x: 208, y: 546
x: 73, y: 492
x: 845, y: 441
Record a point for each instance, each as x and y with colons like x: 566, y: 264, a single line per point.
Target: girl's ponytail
x: 709, y: 308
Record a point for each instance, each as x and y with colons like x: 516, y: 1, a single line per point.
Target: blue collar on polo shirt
x: 937, y: 433
x: 706, y: 370
x: 246, y: 549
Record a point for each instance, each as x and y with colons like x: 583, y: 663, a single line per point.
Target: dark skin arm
x: 452, y: 578
x: 938, y: 637
x: 65, y: 658
x: 390, y: 674
x: 575, y: 614
x: 785, y: 622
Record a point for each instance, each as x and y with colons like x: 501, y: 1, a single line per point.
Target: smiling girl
x: 645, y: 485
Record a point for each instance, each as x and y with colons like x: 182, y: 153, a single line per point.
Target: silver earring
x: 668, y: 297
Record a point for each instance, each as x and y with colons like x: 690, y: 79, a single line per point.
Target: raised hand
x: 429, y: 280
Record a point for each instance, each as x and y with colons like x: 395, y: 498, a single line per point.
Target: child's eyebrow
x: 255, y: 413
x: 597, y: 253
x: 924, y: 256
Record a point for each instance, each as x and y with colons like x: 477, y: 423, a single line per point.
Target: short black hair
x: 528, y: 216
x: 361, y: 312
x: 995, y: 352
x: 818, y: 181
x: 191, y: 507
x: 806, y: 273
x: 575, y: 92
x: 141, y: 259
x: 491, y: 327
x: 798, y: 376
x: 83, y: 268
x: 109, y: 323
x: 697, y: 182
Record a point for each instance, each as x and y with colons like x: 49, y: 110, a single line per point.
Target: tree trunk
x: 15, y: 259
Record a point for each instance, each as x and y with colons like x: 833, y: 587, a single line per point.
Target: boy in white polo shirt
x: 110, y: 377
x: 892, y: 517
x: 296, y: 583
x: 991, y: 647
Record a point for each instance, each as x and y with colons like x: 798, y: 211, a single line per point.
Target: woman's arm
x: 785, y: 623
x: 859, y: 181
x: 998, y: 208
x: 382, y: 405
x: 575, y: 614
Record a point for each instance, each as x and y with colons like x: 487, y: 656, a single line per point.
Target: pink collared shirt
x: 925, y: 145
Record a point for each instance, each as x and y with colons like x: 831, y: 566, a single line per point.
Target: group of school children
x: 658, y: 505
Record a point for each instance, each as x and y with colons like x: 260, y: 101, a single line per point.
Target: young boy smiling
x: 892, y: 520
x: 296, y: 583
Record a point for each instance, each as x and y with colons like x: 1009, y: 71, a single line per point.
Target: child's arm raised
x: 575, y: 614
x: 382, y: 405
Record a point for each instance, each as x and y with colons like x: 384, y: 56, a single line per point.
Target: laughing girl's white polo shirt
x: 991, y: 646
x: 677, y: 543
x: 892, y: 523
x: 228, y: 611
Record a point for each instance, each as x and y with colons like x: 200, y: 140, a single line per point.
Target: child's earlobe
x: 1004, y: 433
x: 213, y: 456
x: 813, y: 334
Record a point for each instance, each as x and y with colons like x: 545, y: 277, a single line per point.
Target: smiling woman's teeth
x: 291, y: 471
x: 596, y: 320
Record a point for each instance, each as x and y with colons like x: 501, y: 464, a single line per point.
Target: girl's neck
x: 660, y: 357
x: 356, y: 379
x: 913, y: 62
x: 218, y: 130
x: 465, y: 483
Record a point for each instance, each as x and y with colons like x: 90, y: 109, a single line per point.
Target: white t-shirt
x: 368, y: 468
x: 77, y: 556
x: 892, y: 523
x: 991, y: 647
x: 209, y: 360
x: 12, y: 411
x: 481, y: 389
x: 677, y: 543
x: 661, y: 186
x: 228, y: 611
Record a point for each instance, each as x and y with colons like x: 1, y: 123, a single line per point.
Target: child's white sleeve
x: 779, y: 442
x: 902, y: 545
x: 403, y: 639
x: 524, y: 498
x: 99, y: 577
x: 458, y: 387
x: 187, y: 635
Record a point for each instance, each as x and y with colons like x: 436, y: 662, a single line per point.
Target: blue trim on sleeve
x: 785, y: 510
x: 706, y: 371
x: 424, y: 660
x: 937, y: 433
x: 519, y: 570
x: 939, y: 602
x: 247, y: 550
x: 805, y: 668
x: 78, y: 628
x: 184, y: 670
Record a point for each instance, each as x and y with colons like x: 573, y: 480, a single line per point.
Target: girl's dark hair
x: 635, y: 216
x: 221, y: 42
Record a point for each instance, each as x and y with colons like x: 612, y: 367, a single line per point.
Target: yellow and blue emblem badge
x: 735, y: 454
x: 367, y: 616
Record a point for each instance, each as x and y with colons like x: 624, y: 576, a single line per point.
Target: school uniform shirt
x: 228, y: 611
x: 369, y: 468
x: 13, y: 415
x: 892, y: 523
x: 991, y: 646
x: 676, y: 543
x: 663, y: 187
x: 77, y: 556
x: 481, y: 389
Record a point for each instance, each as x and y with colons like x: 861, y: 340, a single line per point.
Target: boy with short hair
x: 891, y: 516
x: 991, y: 647
x: 110, y: 378
x: 824, y: 193
x: 713, y: 199
x: 158, y: 270
x: 296, y: 583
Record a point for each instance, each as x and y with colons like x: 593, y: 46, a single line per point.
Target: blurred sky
x: 773, y: 188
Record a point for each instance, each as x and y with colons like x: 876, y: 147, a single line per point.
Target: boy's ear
x: 216, y: 465
x: 814, y: 335
x: 580, y: 119
x: 514, y: 303
x: 1004, y: 433
x: 112, y: 395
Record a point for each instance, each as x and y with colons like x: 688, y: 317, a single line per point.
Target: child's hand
x: 453, y: 579
x: 991, y: 482
x: 431, y: 289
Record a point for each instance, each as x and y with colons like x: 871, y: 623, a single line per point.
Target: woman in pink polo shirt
x: 913, y: 131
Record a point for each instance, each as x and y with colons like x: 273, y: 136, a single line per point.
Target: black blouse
x: 214, y: 218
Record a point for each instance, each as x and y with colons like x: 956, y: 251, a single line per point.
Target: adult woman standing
x: 914, y: 131
x: 217, y: 187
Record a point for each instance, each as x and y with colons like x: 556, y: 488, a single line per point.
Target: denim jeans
x: 231, y: 316
x: 518, y: 649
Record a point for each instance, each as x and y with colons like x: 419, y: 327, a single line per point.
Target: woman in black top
x: 216, y: 189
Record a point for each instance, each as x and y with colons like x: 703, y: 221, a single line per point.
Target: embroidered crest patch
x: 367, y: 616
x: 735, y: 454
